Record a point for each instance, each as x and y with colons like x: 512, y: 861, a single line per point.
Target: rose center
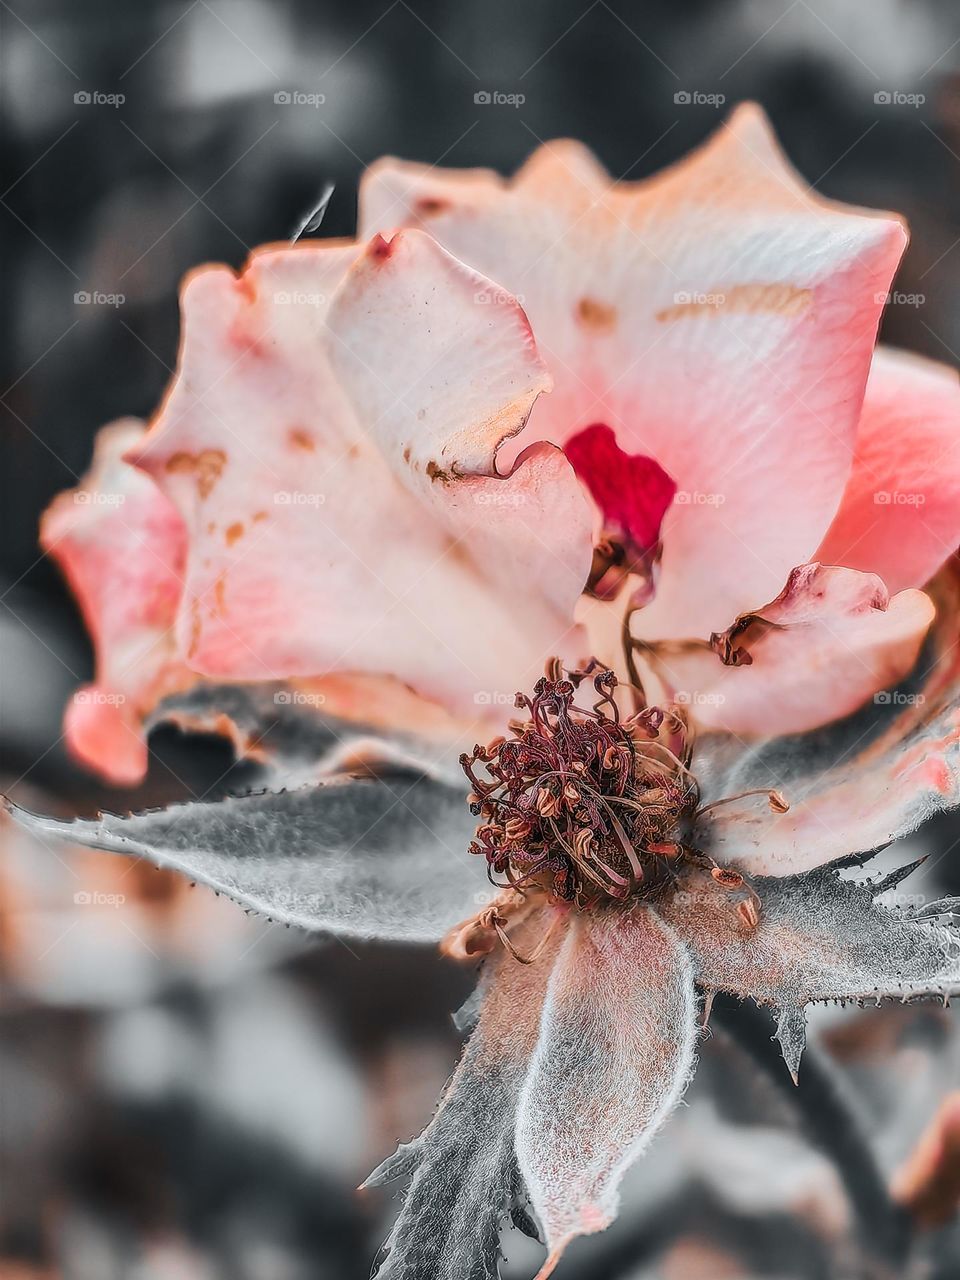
x: 580, y: 801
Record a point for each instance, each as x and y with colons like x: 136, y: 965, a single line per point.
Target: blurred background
x: 189, y: 1092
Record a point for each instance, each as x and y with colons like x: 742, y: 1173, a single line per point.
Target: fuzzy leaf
x: 462, y: 1167
x: 362, y: 858
x: 819, y: 937
x: 616, y: 1050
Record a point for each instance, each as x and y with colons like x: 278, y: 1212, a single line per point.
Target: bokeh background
x: 186, y: 1091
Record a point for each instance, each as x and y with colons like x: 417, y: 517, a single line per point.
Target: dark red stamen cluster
x: 581, y: 802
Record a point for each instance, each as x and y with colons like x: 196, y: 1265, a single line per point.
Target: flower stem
x: 883, y: 1228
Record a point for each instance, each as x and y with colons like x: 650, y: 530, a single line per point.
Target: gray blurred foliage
x: 187, y: 1092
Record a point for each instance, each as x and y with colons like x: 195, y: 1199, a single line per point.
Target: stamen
x: 581, y: 803
x: 776, y: 799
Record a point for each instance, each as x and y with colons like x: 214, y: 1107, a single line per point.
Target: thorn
x: 707, y: 1008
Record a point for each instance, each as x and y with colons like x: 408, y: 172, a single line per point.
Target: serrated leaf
x: 365, y: 858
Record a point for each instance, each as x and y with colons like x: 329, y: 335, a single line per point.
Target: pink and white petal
x: 308, y: 552
x: 900, y: 513
x: 819, y: 937
x: 719, y: 318
x: 462, y: 1168
x: 828, y: 643
x: 442, y: 368
x: 121, y: 546
x: 615, y: 1052
x: 852, y: 786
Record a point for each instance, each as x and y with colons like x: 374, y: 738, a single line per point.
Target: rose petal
x: 615, y: 1052
x: 854, y: 785
x: 121, y: 546
x: 720, y: 318
x: 900, y: 513
x: 819, y: 938
x: 315, y: 545
x: 462, y: 1167
x: 829, y: 641
x: 366, y: 859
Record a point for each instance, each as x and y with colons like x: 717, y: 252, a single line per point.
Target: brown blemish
x: 196, y: 626
x: 207, y: 466
x: 406, y: 454
x: 258, y: 516
x: 742, y: 299
x: 212, y: 527
x: 220, y: 595
x: 599, y: 316
x: 234, y: 533
x: 301, y: 439
x: 437, y: 473
x: 430, y: 206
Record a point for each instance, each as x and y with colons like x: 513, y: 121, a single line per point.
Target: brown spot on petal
x: 436, y: 472
x: 430, y: 206
x: 598, y: 316
x: 234, y: 533
x: 220, y: 595
x: 196, y: 627
x: 206, y: 466
x: 301, y: 439
x: 258, y: 516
